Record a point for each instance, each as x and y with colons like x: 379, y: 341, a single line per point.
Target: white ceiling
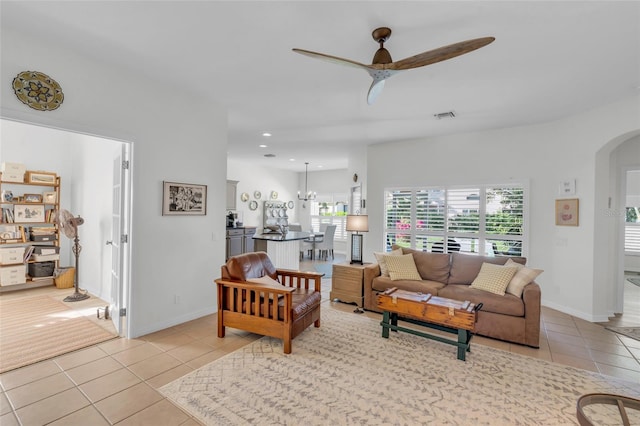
x: 549, y: 60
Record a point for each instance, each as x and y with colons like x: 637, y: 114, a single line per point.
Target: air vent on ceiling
x: 448, y: 114
x: 269, y: 155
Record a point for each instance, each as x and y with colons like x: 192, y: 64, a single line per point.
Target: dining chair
x: 325, y: 247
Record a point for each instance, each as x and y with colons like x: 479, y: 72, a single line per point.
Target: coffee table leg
x: 463, y: 343
x: 394, y: 320
x: 385, y: 322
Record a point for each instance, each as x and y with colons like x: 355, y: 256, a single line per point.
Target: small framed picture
x: 32, y: 198
x: 42, y: 178
x: 49, y: 197
x: 184, y: 199
x: 567, y: 211
x: 27, y: 213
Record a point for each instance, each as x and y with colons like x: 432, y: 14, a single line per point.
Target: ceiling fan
x: 383, y: 67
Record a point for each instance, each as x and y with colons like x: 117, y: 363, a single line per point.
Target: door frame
x: 125, y: 287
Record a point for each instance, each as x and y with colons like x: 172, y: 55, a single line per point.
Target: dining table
x: 314, y: 237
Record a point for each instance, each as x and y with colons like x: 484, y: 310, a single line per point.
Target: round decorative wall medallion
x: 38, y: 90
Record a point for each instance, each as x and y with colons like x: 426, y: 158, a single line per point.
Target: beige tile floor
x: 116, y: 382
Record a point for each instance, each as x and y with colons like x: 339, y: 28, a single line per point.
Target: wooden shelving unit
x: 21, y: 213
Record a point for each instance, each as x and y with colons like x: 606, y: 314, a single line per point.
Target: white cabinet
x: 232, y: 194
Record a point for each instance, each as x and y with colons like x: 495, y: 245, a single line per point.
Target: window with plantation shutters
x: 632, y: 231
x: 330, y: 209
x: 482, y: 219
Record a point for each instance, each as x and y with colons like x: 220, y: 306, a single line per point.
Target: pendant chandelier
x: 308, y: 195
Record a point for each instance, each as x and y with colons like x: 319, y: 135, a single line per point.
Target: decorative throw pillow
x: 382, y: 262
x: 402, y: 267
x: 266, y: 280
x: 494, y: 278
x: 522, y: 277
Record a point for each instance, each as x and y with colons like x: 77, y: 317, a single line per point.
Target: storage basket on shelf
x: 65, y: 277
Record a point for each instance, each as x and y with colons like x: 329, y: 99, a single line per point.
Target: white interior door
x: 119, y: 239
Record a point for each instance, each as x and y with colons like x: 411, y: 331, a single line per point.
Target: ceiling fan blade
x: 375, y: 90
x: 440, y: 54
x: 334, y: 59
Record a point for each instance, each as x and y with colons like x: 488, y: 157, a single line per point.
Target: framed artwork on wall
x: 567, y: 212
x: 184, y: 199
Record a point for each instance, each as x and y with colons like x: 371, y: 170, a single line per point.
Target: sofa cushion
x: 431, y: 266
x: 465, y: 267
x: 383, y: 263
x: 505, y: 305
x: 402, y: 267
x: 494, y: 278
x: 424, y: 286
x: 522, y: 277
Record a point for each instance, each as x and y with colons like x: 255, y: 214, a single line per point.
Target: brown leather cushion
x: 303, y: 301
x: 465, y: 267
x: 250, y: 265
x: 431, y: 266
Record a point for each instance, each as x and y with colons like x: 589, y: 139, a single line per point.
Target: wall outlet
x: 176, y: 299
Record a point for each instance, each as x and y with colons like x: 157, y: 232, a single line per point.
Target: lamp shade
x: 358, y: 223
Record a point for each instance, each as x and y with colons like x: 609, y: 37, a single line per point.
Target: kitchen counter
x: 289, y: 236
x: 283, y: 250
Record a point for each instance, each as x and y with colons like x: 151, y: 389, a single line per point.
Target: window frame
x: 418, y: 238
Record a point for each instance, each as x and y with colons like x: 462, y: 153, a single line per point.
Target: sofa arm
x: 531, y: 297
x: 371, y: 271
x: 300, y: 279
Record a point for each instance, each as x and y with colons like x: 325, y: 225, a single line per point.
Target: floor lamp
x: 357, y: 223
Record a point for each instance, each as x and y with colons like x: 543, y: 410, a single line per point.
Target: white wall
x: 82, y: 162
x: 175, y: 135
x: 542, y: 155
x: 253, y: 178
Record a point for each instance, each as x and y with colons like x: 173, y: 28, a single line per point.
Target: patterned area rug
x: 346, y: 373
x: 39, y: 328
x: 633, y: 332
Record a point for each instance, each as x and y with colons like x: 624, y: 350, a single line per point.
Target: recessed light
x: 266, y: 134
x: 262, y: 146
x: 292, y: 159
x: 320, y: 166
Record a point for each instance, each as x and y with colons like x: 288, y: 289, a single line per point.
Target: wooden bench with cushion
x: 255, y: 296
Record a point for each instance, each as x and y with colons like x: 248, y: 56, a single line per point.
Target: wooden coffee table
x: 439, y: 313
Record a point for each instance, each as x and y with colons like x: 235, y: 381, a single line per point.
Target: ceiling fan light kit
x: 383, y: 67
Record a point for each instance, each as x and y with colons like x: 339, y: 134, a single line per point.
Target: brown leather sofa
x: 507, y: 317
x: 250, y: 306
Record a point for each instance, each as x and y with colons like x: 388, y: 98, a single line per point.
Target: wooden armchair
x: 282, y: 305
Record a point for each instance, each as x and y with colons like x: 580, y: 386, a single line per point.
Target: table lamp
x: 357, y: 223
